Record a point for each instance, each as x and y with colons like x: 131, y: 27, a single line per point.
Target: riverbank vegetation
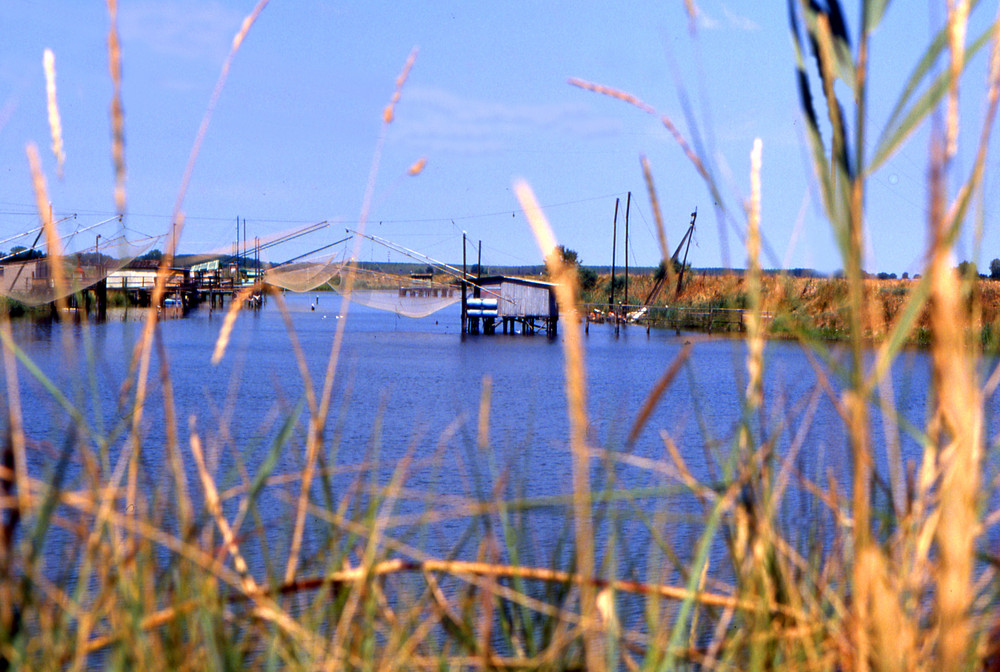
x: 878, y: 565
x: 812, y: 306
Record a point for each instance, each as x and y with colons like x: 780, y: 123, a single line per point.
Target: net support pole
x: 464, y: 305
x: 479, y: 272
x: 614, y: 246
x: 628, y: 203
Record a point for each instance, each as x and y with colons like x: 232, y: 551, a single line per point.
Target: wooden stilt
x: 102, y: 300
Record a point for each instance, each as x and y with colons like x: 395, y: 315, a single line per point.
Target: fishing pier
x: 202, y: 283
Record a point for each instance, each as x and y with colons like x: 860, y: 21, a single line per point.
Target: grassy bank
x: 809, y: 307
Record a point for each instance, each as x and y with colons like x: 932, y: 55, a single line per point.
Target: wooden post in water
x: 102, y: 300
x: 464, y: 307
x: 477, y: 291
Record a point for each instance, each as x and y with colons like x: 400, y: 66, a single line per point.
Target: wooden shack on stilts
x: 515, y: 305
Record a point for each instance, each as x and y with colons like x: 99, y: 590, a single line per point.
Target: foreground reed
x: 106, y: 564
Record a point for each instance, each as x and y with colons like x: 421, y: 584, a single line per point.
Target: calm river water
x: 413, y: 385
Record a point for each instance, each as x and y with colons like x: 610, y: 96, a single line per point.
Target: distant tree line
x: 969, y: 269
x: 21, y: 253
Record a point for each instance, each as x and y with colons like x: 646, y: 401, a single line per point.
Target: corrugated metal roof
x: 499, y: 279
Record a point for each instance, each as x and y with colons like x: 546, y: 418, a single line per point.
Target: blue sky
x: 294, y: 134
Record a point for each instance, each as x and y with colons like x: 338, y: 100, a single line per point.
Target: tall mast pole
x: 690, y: 235
x: 628, y: 203
x: 614, y: 246
x: 479, y: 269
x: 464, y: 305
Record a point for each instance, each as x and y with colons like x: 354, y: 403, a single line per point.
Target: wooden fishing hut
x: 138, y: 278
x: 512, y: 303
x: 28, y: 275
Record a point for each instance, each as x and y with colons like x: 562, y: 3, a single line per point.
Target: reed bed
x: 808, y: 305
x: 119, y: 568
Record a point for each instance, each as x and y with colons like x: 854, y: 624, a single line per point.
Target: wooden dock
x: 187, y: 289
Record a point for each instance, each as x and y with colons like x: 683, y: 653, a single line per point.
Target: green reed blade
x: 79, y: 421
x: 907, y: 115
x: 679, y: 632
x: 872, y: 13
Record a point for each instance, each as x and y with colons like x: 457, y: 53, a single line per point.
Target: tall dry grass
x: 889, y: 584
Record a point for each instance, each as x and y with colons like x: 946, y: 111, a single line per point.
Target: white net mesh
x: 399, y: 294
x: 34, y: 277
x: 303, y: 276
x: 305, y: 272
